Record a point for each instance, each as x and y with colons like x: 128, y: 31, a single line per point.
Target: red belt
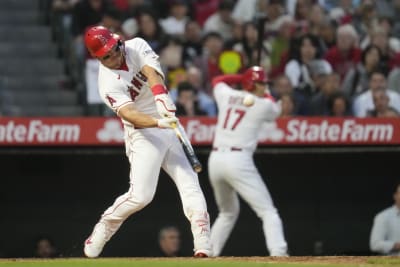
x: 228, y: 148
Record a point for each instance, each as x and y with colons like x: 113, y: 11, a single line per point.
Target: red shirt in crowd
x: 343, y: 63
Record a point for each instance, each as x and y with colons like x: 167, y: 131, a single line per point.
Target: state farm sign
x: 200, y: 130
x: 37, y: 131
x: 307, y: 130
x: 347, y: 130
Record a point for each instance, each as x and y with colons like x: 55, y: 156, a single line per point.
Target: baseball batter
x: 241, y: 114
x: 131, y: 84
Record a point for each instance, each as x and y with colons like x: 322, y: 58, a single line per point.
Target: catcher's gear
x: 99, y: 40
x: 255, y: 74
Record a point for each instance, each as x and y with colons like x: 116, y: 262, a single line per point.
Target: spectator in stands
x: 132, y: 8
x: 206, y: 102
x: 327, y: 34
x: 248, y: 47
x: 339, y: 105
x: 319, y: 104
x: 208, y: 62
x: 381, y: 105
x: 385, y: 233
x: 45, y: 248
x: 343, y: 12
x: 273, y: 10
x: 319, y: 71
x: 204, y: 9
x: 390, y: 52
x: 282, y: 86
x: 395, y: 18
x: 315, y: 19
x: 279, y: 45
x: 288, y: 105
x: 221, y: 21
x: 171, y: 53
x: 245, y: 10
x: 187, y: 103
x: 364, y: 102
x: 394, y: 79
x: 365, y: 18
x: 301, y: 14
x: 302, y: 52
x: 356, y: 80
x: 192, y: 42
x: 175, y: 23
x: 384, y: 30
x: 169, y: 241
x: 151, y: 31
x: 345, y: 54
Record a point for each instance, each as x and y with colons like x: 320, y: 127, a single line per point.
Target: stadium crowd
x: 323, y: 57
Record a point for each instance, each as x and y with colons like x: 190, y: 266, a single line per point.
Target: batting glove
x: 167, y: 122
x: 165, y: 105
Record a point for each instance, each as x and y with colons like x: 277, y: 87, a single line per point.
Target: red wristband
x: 159, y: 89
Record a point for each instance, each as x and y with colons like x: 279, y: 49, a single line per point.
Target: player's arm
x: 227, y: 78
x: 164, y: 103
x: 141, y: 120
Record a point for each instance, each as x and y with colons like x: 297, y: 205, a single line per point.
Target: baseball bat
x: 187, y: 147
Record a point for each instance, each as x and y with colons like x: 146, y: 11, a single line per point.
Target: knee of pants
x: 268, y: 213
x: 231, y: 215
x: 140, y: 202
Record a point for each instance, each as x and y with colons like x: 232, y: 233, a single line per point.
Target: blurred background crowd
x: 323, y: 57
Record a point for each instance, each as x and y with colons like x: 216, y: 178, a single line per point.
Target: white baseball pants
x: 148, y: 150
x: 234, y: 173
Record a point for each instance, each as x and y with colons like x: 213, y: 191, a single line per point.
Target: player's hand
x: 165, y: 105
x: 167, y: 122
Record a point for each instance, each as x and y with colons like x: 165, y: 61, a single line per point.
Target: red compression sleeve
x: 159, y: 89
x: 227, y: 78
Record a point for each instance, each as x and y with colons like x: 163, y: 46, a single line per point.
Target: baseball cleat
x: 202, y: 253
x: 95, y: 243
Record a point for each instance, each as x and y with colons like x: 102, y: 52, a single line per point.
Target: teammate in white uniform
x: 231, y: 167
x: 131, y: 83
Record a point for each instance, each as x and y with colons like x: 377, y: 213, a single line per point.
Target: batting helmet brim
x: 107, y: 47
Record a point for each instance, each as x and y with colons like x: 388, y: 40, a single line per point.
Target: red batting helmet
x: 99, y: 40
x: 253, y: 75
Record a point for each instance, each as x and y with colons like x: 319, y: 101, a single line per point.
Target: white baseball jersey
x: 232, y: 170
x: 118, y: 88
x: 238, y: 125
x: 148, y: 150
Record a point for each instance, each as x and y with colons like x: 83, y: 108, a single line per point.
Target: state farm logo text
x: 347, y: 131
x: 306, y: 131
x: 37, y: 131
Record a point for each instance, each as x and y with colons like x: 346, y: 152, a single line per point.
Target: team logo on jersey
x: 111, y: 100
x: 111, y: 132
